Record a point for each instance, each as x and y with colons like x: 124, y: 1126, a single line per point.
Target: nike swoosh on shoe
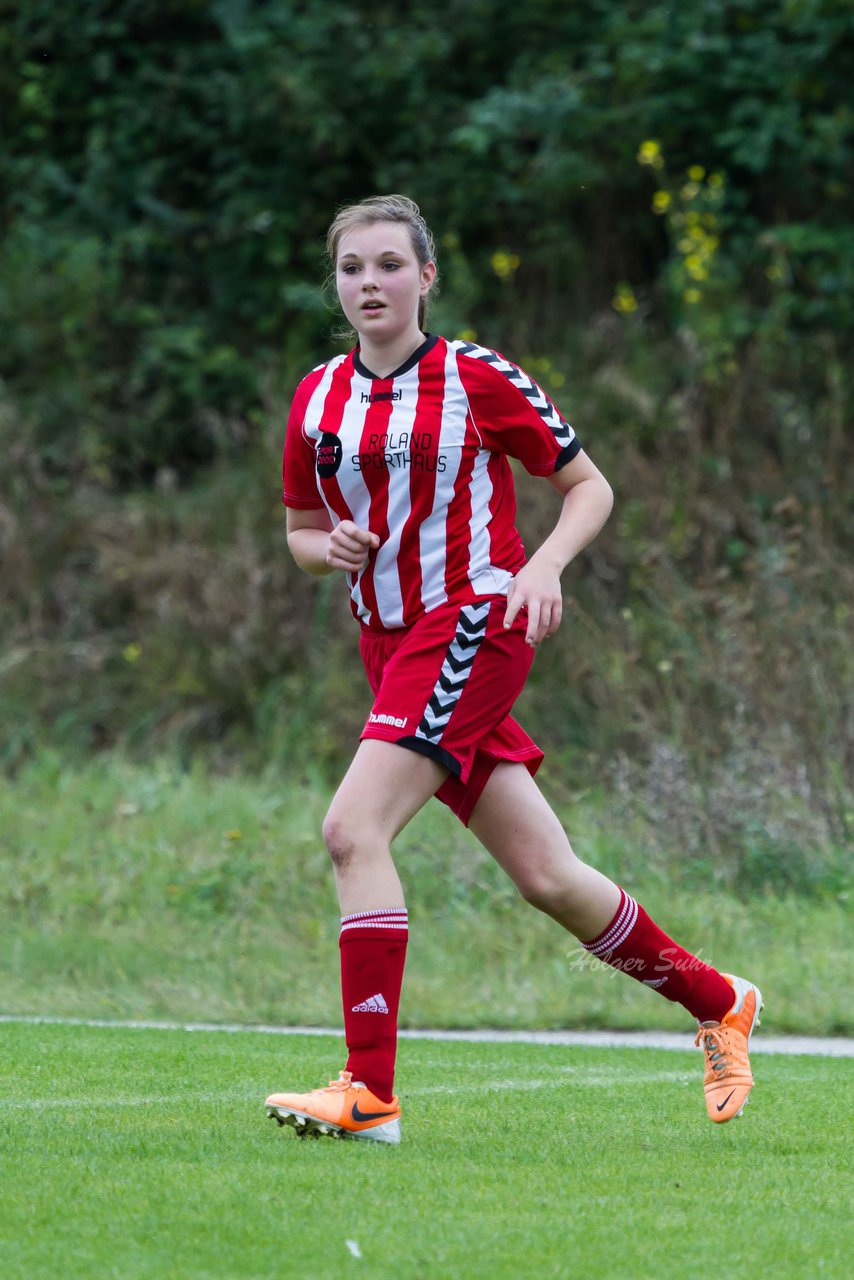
x: 359, y: 1115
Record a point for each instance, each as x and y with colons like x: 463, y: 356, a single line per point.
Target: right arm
x: 319, y: 547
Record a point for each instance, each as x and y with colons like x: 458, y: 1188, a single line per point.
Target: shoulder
x: 506, y: 396
x: 491, y: 373
x: 489, y: 368
x: 316, y: 378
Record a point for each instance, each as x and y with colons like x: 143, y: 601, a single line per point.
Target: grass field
x: 137, y: 1153
x: 149, y: 891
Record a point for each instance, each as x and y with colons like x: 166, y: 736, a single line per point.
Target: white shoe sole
x: 307, y: 1126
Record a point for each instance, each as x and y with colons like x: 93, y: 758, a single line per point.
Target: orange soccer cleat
x: 728, y: 1080
x: 344, y: 1109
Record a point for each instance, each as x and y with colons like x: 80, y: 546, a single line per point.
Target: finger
x: 545, y: 627
x: 364, y: 537
x: 353, y: 540
x: 554, y: 622
x: 512, y: 608
x: 533, y: 634
x: 346, y: 554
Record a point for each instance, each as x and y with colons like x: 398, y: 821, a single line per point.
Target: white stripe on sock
x: 618, y: 932
x: 391, y: 919
x: 388, y: 911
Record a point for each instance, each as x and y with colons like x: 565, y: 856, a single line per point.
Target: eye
x: 349, y: 269
x: 391, y: 266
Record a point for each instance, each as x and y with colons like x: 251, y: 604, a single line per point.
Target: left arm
x: 587, y: 503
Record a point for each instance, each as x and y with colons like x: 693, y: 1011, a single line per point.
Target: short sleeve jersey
x: 421, y: 459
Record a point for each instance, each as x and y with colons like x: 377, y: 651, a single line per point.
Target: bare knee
x: 340, y: 839
x: 544, y: 894
x: 549, y: 884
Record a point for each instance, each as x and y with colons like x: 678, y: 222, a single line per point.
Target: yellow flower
x: 692, y: 296
x: 467, y: 335
x: 132, y: 653
x: 696, y: 173
x: 624, y: 299
x: 649, y: 153
x: 504, y: 264
x: 661, y: 202
x: 716, y: 179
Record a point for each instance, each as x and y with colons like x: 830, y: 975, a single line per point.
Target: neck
x: 382, y: 358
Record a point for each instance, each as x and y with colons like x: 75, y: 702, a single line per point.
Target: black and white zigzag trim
x: 459, y: 659
x: 561, y: 429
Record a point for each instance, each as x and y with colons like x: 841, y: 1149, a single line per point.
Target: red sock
x: 373, y: 952
x: 634, y: 944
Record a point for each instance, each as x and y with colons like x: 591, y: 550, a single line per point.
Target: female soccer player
x: 396, y: 475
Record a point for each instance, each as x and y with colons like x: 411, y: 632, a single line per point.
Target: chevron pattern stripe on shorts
x: 560, y: 428
x: 459, y: 659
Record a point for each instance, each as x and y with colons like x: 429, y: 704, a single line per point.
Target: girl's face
x: 380, y: 281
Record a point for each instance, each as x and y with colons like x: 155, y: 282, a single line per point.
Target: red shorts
x: 444, y: 688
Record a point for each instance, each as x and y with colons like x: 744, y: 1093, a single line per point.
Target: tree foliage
x: 169, y: 168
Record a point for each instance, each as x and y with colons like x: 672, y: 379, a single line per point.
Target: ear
x: 428, y: 275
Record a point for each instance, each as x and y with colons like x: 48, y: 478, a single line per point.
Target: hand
x: 350, y: 546
x: 536, y: 589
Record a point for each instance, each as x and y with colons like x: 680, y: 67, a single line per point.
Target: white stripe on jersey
x: 433, y: 532
x: 481, y: 493
x: 358, y: 497
x: 483, y: 576
x: 386, y: 565
x: 314, y: 412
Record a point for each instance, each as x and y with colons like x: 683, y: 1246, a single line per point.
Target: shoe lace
x: 342, y: 1084
x: 715, y: 1048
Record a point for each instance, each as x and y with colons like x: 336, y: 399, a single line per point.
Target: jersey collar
x: 427, y: 345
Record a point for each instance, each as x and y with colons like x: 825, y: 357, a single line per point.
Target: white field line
x: 813, y: 1046
x: 558, y: 1080
x: 553, y: 1082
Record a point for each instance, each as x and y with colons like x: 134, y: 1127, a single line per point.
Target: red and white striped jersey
x: 420, y: 458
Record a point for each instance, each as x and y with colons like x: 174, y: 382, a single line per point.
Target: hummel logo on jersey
x: 654, y: 982
x: 373, y: 396
x: 399, y: 722
x: 374, y: 1004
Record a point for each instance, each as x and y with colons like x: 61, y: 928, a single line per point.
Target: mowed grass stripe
x: 161, y: 1164
x: 820, y: 1046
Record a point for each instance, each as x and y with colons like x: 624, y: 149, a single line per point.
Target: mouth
x: 372, y: 306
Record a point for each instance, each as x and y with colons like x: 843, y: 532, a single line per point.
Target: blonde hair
x: 392, y: 208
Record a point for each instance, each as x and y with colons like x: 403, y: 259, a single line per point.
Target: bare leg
x: 513, y: 820
x: 382, y: 790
